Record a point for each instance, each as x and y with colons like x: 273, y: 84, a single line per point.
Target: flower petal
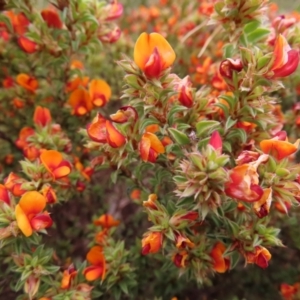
x: 32, y: 202
x: 22, y: 221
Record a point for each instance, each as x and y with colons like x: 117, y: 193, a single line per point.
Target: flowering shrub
x: 142, y: 156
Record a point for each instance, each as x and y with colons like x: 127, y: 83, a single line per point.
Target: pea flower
x: 150, y: 147
x: 54, y: 164
x: 51, y: 17
x: 27, y: 82
x: 103, y: 131
x: 286, y: 59
x: 279, y: 149
x: 4, y: 195
x: 153, y: 54
x: 260, y: 256
x: 106, y: 221
x: 80, y: 101
x: 100, y: 92
x: 98, y: 265
x: 68, y: 276
x: 244, y: 183
x: 42, y: 116
x: 29, y: 213
x: 220, y: 263
x: 152, y: 242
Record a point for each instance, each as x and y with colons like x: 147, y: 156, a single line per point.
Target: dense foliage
x: 149, y: 152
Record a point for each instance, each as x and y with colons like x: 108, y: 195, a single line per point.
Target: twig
x: 190, y: 33
x: 211, y: 37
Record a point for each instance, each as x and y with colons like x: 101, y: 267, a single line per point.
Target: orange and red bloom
x: 4, y: 194
x: 13, y: 183
x: 103, y: 131
x: 243, y: 181
x: 106, y: 221
x: 150, y: 147
x: 54, y: 164
x: 30, y: 213
x: 80, y: 101
x: 98, y: 264
x: 100, y: 92
x: 152, y: 242
x: 220, y: 263
x: 27, y: 45
x: 259, y: 256
x: 27, y: 82
x: 153, y: 54
x: 286, y: 59
x: 52, y: 18
x: 68, y: 276
x: 42, y: 116
x: 279, y: 149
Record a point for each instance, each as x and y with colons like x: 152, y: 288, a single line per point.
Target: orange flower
x: 180, y: 259
x: 182, y: 242
x: 24, y: 134
x: 49, y: 194
x: 13, y: 183
x: 101, y: 236
x: 288, y: 291
x: 152, y: 242
x: 98, y: 269
x: 97, y: 129
x: 220, y: 263
x: 262, y: 206
x: 103, y: 131
x: 76, y: 82
x: 135, y: 194
x: 27, y: 45
x: 125, y: 114
x: 42, y: 116
x: 52, y: 18
x: 18, y: 103
x: 150, y: 147
x: 54, y: 164
x: 100, y: 92
x: 68, y: 276
x: 18, y: 21
x: 260, y: 256
x: 4, y: 195
x: 106, y: 221
x: 114, y: 138
x: 243, y: 182
x: 278, y: 149
x: 153, y: 54
x: 286, y: 59
x: 31, y: 152
x: 152, y: 128
x: 27, y: 82
x: 80, y: 101
x: 151, y: 202
x: 29, y: 213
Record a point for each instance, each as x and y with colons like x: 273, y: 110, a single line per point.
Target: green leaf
x: 179, y: 137
x: 228, y: 50
x: 229, y: 123
x: 251, y: 26
x: 206, y: 127
x: 257, y: 35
